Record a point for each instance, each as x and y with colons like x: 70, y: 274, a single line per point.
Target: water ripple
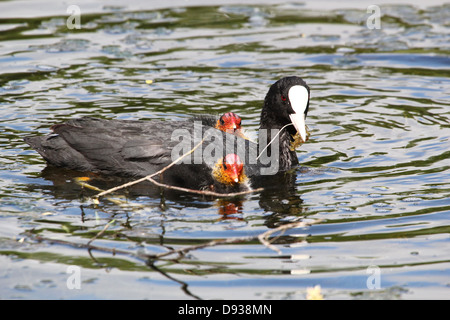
x: 375, y: 168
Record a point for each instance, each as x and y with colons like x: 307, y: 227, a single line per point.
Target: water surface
x: 375, y: 171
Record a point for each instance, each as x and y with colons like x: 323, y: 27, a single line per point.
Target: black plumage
x: 133, y: 148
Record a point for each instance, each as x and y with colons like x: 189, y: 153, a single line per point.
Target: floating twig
x: 203, y: 192
x: 263, y: 239
x: 128, y: 184
x: 150, y: 178
x: 102, y: 231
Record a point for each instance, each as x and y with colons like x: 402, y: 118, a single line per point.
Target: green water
x: 376, y: 169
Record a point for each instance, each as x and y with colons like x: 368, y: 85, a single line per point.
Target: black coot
x: 138, y: 148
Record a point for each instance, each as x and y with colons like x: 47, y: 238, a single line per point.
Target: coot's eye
x: 283, y: 98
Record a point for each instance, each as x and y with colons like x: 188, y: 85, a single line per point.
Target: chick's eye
x: 283, y: 98
x: 222, y: 122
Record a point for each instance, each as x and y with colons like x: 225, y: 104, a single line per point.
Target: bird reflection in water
x: 230, y: 209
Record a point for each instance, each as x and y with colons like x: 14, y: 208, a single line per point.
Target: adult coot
x: 138, y: 148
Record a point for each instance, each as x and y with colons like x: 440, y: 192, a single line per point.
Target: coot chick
x: 229, y: 175
x: 229, y: 122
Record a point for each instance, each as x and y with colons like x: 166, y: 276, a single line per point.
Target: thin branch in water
x: 264, y: 237
x: 150, y: 178
x: 91, y: 187
x: 81, y: 245
x: 125, y: 185
x: 184, y: 285
x: 203, y: 192
x: 101, y: 232
x: 213, y: 243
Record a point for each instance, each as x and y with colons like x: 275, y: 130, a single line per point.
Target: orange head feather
x: 229, y: 122
x: 230, y: 170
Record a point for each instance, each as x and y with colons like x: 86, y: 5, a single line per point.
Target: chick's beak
x: 234, y: 173
x: 232, y: 128
x: 232, y: 169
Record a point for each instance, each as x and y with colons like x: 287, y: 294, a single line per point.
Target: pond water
x: 376, y: 170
